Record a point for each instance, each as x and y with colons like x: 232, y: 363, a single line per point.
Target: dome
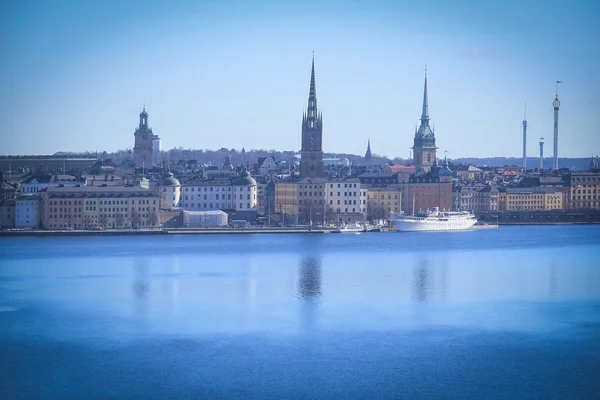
x: 169, y: 180
x: 244, y: 179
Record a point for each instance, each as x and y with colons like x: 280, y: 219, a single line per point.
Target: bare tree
x: 87, y: 221
x: 152, y: 218
x: 103, y: 220
x: 135, y: 219
x: 120, y: 220
x: 69, y: 219
x: 329, y: 214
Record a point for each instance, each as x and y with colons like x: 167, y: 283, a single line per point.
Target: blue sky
x: 75, y: 75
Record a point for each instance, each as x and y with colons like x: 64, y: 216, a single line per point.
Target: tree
x: 152, y: 218
x: 87, y: 221
x: 69, y: 219
x: 135, y: 219
x: 103, y: 220
x: 329, y: 214
x: 375, y: 211
x: 120, y: 220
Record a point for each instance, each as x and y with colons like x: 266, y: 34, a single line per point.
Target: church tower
x: 368, y: 154
x: 311, y: 153
x: 424, y: 149
x: 143, y: 147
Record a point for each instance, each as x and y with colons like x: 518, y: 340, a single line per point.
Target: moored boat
x: 355, y: 228
x: 435, y: 221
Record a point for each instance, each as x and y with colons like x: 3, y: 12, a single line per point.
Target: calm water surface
x: 505, y: 313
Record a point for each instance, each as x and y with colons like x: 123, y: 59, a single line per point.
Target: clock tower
x: 144, y: 139
x: 311, y: 154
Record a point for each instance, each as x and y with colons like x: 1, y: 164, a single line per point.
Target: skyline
x: 236, y: 74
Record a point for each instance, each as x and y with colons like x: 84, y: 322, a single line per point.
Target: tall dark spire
x: 311, y: 161
x: 425, y: 113
x: 312, y: 94
x: 368, y: 154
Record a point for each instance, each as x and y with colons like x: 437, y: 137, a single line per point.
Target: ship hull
x: 433, y: 225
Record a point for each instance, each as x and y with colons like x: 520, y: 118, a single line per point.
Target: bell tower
x: 311, y: 153
x: 142, y: 149
x: 424, y: 149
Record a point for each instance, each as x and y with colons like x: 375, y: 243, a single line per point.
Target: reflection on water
x: 423, y: 282
x: 553, y: 280
x: 140, y: 286
x: 309, y: 290
x: 330, y: 310
x: 309, y: 277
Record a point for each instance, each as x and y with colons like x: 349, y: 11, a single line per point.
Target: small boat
x: 354, y: 228
x: 435, y: 221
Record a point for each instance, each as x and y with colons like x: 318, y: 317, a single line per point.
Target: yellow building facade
x: 536, y: 199
x: 110, y: 207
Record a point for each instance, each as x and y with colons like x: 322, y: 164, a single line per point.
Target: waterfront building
x: 27, y: 211
x: 37, y: 182
x: 237, y: 195
x: 530, y: 199
x: 476, y: 198
x: 286, y: 198
x: 104, y: 206
x: 424, y: 148
x: 383, y: 200
x: 170, y: 191
x: 346, y: 198
x: 312, y: 200
x: 428, y: 190
x: 145, y: 143
x: 336, y: 199
x: 204, y: 219
x: 311, y: 154
x: 585, y: 190
x: 7, y: 213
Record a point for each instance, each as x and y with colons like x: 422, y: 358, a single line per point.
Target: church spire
x: 368, y: 154
x: 312, y: 94
x: 425, y: 113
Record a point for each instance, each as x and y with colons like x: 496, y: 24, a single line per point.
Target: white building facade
x: 346, y: 198
x: 239, y: 194
x: 27, y: 211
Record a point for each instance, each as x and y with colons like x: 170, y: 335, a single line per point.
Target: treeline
x: 217, y: 157
x: 243, y: 156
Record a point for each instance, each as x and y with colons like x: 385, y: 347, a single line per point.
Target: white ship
x: 435, y: 220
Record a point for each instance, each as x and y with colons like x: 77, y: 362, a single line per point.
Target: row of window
x: 76, y: 209
x: 220, y: 206
x: 222, y: 188
x: 66, y: 202
x: 223, y: 197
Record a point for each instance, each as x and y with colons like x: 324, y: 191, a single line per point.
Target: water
x: 502, y: 313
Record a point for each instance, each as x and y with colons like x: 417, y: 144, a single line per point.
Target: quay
x: 170, y: 231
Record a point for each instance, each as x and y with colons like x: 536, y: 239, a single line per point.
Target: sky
x: 74, y: 75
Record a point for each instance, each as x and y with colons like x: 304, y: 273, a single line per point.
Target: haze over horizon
x: 236, y: 74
